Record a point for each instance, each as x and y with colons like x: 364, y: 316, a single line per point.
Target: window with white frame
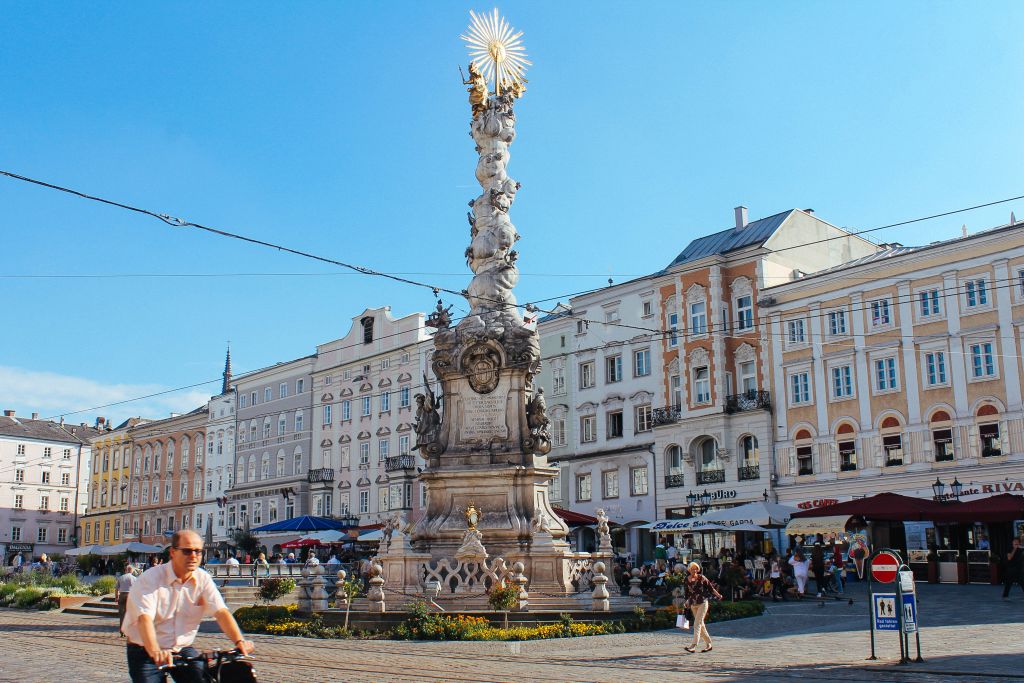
x: 267, y: 395
x: 241, y: 401
x: 327, y: 415
x: 555, y: 488
x: 842, y: 381
x: 364, y: 502
x: 613, y: 369
x: 558, y: 379
x: 266, y: 428
x: 614, y: 423
x: 748, y: 377
x: 1020, y: 282
x: 282, y: 425
x: 558, y: 431
x: 42, y: 533
x: 701, y: 385
x: 837, y: 323
x: 796, y: 332
x: 983, y: 362
x: 385, y: 363
x: 643, y: 418
x: 588, y: 428
x: 587, y: 375
x: 610, y: 484
x: 364, y: 453
x: 404, y: 394
x: 582, y: 487
x: 928, y: 303
x: 698, y: 317
x: 252, y: 398
x: 383, y: 449
x: 799, y: 388
x: 744, y: 313
x: 976, y: 293
x: 673, y: 325
x: 886, y: 378
x: 282, y: 391
x: 881, y: 315
x: 346, y: 410
x: 366, y: 405
x: 647, y: 308
x: 642, y: 363
x: 385, y: 402
x: 382, y: 499
x: 935, y: 368
x: 298, y: 420
x: 299, y: 385
x: 638, y: 481
x: 675, y: 387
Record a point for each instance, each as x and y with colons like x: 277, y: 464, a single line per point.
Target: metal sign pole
x: 904, y: 659
x: 871, y: 609
x: 917, y: 624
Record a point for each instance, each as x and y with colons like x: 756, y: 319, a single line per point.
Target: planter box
x: 65, y: 601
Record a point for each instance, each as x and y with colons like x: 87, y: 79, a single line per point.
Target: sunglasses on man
x: 189, y: 551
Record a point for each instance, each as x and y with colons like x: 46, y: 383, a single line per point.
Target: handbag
x: 682, y: 621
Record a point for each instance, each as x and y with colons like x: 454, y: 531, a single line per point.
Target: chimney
x: 809, y: 212
x: 963, y: 229
x: 35, y: 416
x: 100, y: 421
x: 8, y: 413
x: 741, y: 217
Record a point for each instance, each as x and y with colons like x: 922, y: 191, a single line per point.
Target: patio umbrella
x: 303, y: 523
x: 759, y: 512
x: 84, y: 550
x: 371, y: 536
x: 746, y: 527
x: 328, y: 537
x: 301, y: 543
x: 143, y: 548
x: 113, y: 549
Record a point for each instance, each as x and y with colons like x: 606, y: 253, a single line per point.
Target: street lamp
x: 939, y: 489
x: 705, y: 500
x: 691, y: 498
x: 956, y: 487
x: 348, y: 520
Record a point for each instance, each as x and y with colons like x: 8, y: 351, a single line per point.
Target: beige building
x: 901, y: 368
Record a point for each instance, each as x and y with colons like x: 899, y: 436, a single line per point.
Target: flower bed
x: 41, y: 590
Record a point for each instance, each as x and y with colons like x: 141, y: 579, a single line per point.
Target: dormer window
x: 367, y: 324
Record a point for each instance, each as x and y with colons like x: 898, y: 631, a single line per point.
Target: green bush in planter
x: 275, y: 589
x: 103, y: 585
x: 27, y: 597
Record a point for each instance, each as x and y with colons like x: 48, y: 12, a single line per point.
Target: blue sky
x: 341, y: 128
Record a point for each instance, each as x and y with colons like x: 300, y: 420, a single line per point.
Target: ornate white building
x: 210, y: 517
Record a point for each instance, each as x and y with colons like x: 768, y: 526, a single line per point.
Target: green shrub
x: 275, y: 589
x: 725, y: 611
x: 27, y: 597
x: 7, y: 589
x: 103, y: 585
x: 70, y: 585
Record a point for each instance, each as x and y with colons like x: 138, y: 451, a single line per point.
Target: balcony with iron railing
x: 710, y: 477
x: 666, y: 416
x: 673, y: 481
x: 748, y: 472
x: 399, y: 462
x: 748, y: 400
x: 319, y: 475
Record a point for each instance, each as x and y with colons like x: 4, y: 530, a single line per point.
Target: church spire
x: 227, y: 372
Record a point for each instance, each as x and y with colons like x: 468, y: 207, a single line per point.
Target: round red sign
x: 884, y: 567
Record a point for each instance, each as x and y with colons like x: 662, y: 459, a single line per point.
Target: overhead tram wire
x: 177, y: 222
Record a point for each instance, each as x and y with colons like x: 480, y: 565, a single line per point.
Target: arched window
x: 847, y: 444
x: 252, y: 468
x: 239, y: 470
x: 252, y: 431
x: 103, y: 495
x: 298, y: 461
x: 988, y: 430
x: 674, y: 467
x: 942, y: 436
x: 710, y: 470
x: 281, y: 425
x: 804, y: 453
x: 892, y: 441
x: 280, y: 464
x: 750, y: 466
x: 265, y: 466
x: 186, y: 447
x: 170, y: 454
x: 266, y: 427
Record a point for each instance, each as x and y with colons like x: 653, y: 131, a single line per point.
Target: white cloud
x: 51, y: 394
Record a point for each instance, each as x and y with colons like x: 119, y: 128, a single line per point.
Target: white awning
x: 758, y: 512
x: 836, y: 524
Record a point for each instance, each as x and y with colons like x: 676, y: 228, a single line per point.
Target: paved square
x: 968, y: 634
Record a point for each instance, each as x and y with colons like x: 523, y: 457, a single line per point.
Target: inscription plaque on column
x: 484, y: 415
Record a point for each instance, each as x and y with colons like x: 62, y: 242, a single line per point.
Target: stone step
x: 93, y: 609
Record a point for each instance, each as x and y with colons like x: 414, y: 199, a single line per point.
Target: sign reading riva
x: 484, y: 415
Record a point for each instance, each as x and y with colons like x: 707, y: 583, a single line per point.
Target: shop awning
x: 758, y: 512
x: 683, y: 525
x: 832, y: 524
x: 888, y: 507
x: 1004, y: 507
x: 574, y: 518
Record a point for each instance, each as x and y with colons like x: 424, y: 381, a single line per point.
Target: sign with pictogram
x: 884, y: 612
x: 884, y: 567
x: 909, y: 612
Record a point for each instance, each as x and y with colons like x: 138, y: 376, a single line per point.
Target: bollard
x: 519, y: 579
x: 305, y: 592
x: 599, y: 598
x: 376, y: 592
x: 318, y: 589
x: 634, y: 584
x: 340, y: 594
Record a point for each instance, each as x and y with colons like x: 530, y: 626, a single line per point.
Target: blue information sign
x: 909, y: 613
x: 884, y: 612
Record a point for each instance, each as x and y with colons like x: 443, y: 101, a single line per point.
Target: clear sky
x: 341, y: 128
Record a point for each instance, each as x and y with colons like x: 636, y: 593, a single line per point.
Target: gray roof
x: 886, y: 253
x: 45, y: 430
x: 556, y: 315
x: 755, y: 233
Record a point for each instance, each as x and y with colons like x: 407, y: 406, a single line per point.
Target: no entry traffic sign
x: 884, y: 567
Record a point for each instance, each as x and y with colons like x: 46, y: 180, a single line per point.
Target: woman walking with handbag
x: 698, y: 589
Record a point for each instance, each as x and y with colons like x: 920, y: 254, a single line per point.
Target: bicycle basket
x: 236, y: 672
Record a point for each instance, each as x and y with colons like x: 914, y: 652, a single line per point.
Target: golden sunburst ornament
x: 496, y: 50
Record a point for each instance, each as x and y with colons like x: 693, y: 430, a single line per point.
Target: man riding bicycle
x: 166, y: 605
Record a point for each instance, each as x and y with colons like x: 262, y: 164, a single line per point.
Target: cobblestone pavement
x: 968, y: 634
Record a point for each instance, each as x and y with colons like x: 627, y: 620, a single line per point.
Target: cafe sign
x: 817, y: 503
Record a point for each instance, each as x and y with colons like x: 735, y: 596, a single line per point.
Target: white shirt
x: 232, y: 561
x: 175, y: 607
x: 125, y: 582
x: 799, y: 568
x: 333, y: 560
x: 672, y: 552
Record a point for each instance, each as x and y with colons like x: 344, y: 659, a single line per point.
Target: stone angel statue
x: 536, y: 413
x: 604, y: 535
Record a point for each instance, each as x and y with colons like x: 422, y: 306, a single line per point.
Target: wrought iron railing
x: 711, y: 476
x: 674, y: 481
x: 666, y: 416
x: 748, y: 472
x: 322, y: 474
x: 399, y: 462
x: 748, y: 400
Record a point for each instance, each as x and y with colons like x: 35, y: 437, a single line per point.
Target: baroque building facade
x: 210, y: 516
x: 108, y: 492
x: 900, y: 369
x: 364, y: 386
